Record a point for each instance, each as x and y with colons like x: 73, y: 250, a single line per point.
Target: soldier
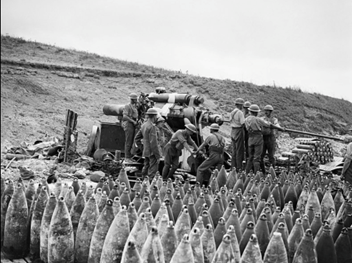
x: 246, y: 106
x: 129, y: 122
x: 254, y: 125
x: 151, y: 149
x: 346, y: 173
x: 237, y: 134
x: 348, y: 137
x: 160, y: 132
x: 216, y: 145
x: 172, y: 150
x: 269, y: 137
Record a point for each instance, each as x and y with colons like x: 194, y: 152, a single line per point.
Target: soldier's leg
x: 174, y: 166
x: 210, y: 161
x: 153, y: 166
x: 239, y: 148
x: 129, y: 136
x: 249, y: 165
x: 145, y: 166
x: 167, y: 161
x: 271, y: 150
x: 233, y: 157
x: 257, y: 155
x: 262, y: 164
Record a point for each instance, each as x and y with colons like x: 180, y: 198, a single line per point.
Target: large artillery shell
x: 123, y: 178
x: 131, y: 254
x: 183, y: 253
x: 76, y: 211
x: 325, y: 247
x: 44, y: 227
x: 132, y: 215
x: 276, y: 251
x: 183, y: 225
x: 85, y: 230
x: 70, y: 198
x: 139, y: 232
x: 100, y: 231
x: 5, y: 200
x: 15, y: 232
x: 225, y: 252
x: 306, y: 250
x: 196, y: 244
x: 116, y: 238
x: 252, y: 251
x: 219, y: 232
x: 152, y: 249
x: 169, y: 242
x: 234, y: 243
x: 36, y: 224
x: 60, y: 237
x: 208, y: 243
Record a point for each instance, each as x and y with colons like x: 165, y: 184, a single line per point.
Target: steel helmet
x: 239, y: 101
x: 191, y: 127
x: 151, y: 111
x: 268, y: 107
x: 214, y: 127
x: 160, y: 119
x: 254, y: 108
x: 133, y: 96
x: 247, y: 104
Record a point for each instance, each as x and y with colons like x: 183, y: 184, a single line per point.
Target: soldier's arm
x: 191, y: 142
x: 205, y: 143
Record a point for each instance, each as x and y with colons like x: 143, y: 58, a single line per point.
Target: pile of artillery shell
x: 318, y: 151
x: 238, y: 218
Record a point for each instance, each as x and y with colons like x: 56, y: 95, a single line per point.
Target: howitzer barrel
x: 113, y: 110
x: 314, y: 134
x: 175, y: 98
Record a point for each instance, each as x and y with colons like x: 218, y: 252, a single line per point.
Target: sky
x: 291, y: 43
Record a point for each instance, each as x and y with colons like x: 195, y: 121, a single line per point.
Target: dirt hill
x: 40, y: 82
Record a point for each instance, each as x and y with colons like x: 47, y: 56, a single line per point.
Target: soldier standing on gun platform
x: 129, y: 123
x: 151, y: 149
x: 216, y: 145
x: 237, y: 135
x: 269, y: 137
x: 254, y: 125
x: 172, y: 150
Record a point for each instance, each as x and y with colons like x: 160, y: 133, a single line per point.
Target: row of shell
x: 238, y: 218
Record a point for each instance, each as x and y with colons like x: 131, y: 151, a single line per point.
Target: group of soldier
x: 252, y: 137
x: 151, y: 136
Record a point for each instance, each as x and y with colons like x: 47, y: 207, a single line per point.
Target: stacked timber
x: 286, y: 217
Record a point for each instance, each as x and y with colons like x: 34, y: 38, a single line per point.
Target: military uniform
x: 173, y: 151
x: 254, y: 126
x: 130, y: 111
x: 237, y: 137
x: 269, y: 142
x: 346, y: 173
x: 151, y: 149
x: 216, y: 145
x: 246, y: 138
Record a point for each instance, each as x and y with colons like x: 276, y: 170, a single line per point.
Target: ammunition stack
x: 318, y: 151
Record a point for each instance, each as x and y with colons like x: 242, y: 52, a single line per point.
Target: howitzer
x: 177, y: 110
x: 314, y: 134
